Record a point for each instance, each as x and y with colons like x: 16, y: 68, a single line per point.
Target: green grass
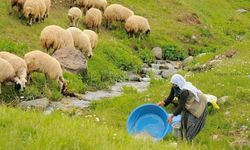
x: 219, y: 31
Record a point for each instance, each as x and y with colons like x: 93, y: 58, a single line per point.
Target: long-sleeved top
x: 182, y: 98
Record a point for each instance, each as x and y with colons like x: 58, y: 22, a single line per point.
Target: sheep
x: 81, y: 41
x: 93, y: 19
x: 93, y: 37
x: 48, y: 5
x: 19, y: 66
x: 7, y: 73
x: 116, y: 12
x: 74, y: 15
x: 137, y: 24
x: 38, y: 61
x: 55, y: 37
x: 99, y: 4
x: 19, y: 4
x: 34, y: 9
x: 82, y: 4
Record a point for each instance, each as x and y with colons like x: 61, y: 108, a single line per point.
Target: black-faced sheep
x: 81, y: 41
x: 38, y: 61
x: 19, y: 66
x: 116, y: 12
x: 55, y: 37
x: 137, y: 25
x: 93, y: 19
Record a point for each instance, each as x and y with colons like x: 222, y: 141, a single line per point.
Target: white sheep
x: 19, y: 66
x: 38, y: 61
x: 81, y: 41
x: 7, y: 73
x: 82, y: 4
x: 55, y: 37
x: 116, y: 12
x: 93, y: 19
x: 93, y: 37
x: 34, y: 9
x: 137, y: 24
x: 48, y: 5
x: 74, y: 15
x: 99, y: 4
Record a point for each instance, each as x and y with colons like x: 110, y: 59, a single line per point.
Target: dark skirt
x: 190, y: 125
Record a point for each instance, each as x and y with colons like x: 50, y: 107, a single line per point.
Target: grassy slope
x: 220, y: 25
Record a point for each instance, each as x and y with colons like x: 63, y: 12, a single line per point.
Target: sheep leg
x: 77, y: 22
x: 29, y: 78
x: 0, y: 88
x: 62, y: 85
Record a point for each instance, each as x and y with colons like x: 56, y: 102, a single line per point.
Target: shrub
x: 173, y: 52
x: 146, y: 55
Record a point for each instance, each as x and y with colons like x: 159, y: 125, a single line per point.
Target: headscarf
x: 183, y: 85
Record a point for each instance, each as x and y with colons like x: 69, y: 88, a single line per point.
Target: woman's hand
x: 161, y: 103
x: 170, y: 118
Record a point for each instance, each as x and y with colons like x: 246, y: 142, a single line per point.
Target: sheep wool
x: 74, y: 15
x: 34, y: 9
x: 93, y: 18
x: 38, y: 61
x: 81, y: 41
x: 93, y: 37
x: 55, y: 37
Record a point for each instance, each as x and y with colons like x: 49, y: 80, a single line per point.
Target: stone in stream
x: 167, y: 73
x: 133, y: 77
x: 145, y: 70
x: 157, y: 51
x: 40, y: 104
x: 161, y: 61
x: 188, y: 60
x: 163, y: 67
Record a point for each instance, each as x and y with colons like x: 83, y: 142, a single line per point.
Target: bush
x: 12, y: 47
x: 146, y: 56
x: 173, y: 52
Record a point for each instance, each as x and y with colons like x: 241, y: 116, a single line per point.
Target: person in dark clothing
x: 192, y: 105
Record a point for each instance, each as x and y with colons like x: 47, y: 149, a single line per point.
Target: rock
x: 157, y: 51
x: 167, y: 73
x: 133, y: 77
x: 145, y: 70
x: 241, y: 10
x: 157, y: 71
x: 155, y: 66
x: 200, y: 55
x: 72, y: 60
x: 145, y: 79
x: 164, y: 67
x: 145, y: 65
x: 40, y: 104
x: 188, y: 60
x: 223, y: 99
x: 160, y: 61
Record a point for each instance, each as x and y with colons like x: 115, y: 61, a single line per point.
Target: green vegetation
x: 206, y: 26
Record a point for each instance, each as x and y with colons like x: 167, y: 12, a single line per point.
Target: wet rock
x: 168, y: 73
x: 40, y: 104
x: 71, y: 60
x: 146, y: 70
x: 155, y: 66
x: 188, y: 60
x: 145, y: 79
x: 145, y: 65
x: 69, y: 103
x: 164, y: 67
x: 160, y: 61
x: 133, y: 77
x: 157, y: 71
x: 157, y: 51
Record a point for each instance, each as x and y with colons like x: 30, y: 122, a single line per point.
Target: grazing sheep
x: 74, y: 15
x: 34, y: 9
x: 7, y: 73
x: 19, y: 66
x: 38, y: 61
x: 19, y: 4
x: 81, y: 41
x: 55, y: 37
x: 82, y: 4
x: 116, y: 12
x: 93, y: 37
x: 99, y: 4
x: 93, y: 19
x: 137, y: 24
x: 48, y: 5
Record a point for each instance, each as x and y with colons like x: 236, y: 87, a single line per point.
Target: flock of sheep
x: 32, y: 10
x: 18, y: 70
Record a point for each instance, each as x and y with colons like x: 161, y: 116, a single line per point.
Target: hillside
x: 206, y: 26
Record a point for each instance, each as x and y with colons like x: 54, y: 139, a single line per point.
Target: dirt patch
x: 192, y: 19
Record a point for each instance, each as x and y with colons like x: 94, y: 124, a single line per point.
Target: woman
x: 192, y: 104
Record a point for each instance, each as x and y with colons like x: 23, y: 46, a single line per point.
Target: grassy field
x: 217, y: 28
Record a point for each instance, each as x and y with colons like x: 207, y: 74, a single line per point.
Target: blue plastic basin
x: 149, y: 118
